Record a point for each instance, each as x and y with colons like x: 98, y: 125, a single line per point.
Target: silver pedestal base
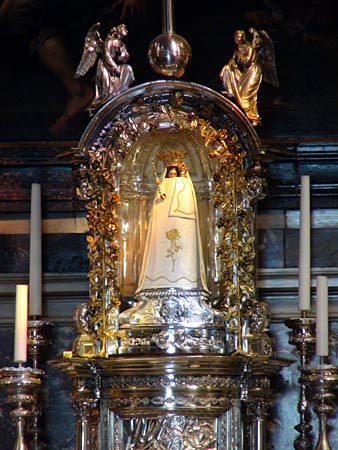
x: 172, y: 340
x: 172, y: 321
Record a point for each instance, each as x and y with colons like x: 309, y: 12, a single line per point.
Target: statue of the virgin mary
x: 173, y: 251
x: 172, y: 287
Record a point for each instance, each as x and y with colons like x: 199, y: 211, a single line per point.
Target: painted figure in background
x: 113, y: 75
x: 251, y: 62
x: 46, y: 25
x: 173, y: 251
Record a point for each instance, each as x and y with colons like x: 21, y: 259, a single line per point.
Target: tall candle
x: 304, y: 282
x: 21, y: 313
x: 35, y: 265
x: 322, y: 318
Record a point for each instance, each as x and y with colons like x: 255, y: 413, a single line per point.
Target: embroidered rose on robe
x: 173, y: 235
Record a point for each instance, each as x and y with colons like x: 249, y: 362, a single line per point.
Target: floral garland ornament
x: 103, y: 252
x: 236, y: 251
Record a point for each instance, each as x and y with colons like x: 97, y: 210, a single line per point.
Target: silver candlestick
x: 21, y: 385
x: 322, y: 380
x: 304, y: 338
x: 38, y: 343
x: 38, y: 340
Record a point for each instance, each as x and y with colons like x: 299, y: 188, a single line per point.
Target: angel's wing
x: 266, y: 54
x: 92, y: 48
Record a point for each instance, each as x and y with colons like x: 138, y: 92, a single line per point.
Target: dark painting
x: 35, y: 78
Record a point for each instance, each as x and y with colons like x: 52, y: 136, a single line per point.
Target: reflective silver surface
x: 113, y: 74
x: 21, y: 385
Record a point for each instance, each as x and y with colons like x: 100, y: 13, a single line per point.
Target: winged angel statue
x: 251, y: 62
x: 113, y: 75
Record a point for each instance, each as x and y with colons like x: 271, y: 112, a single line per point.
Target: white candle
x: 322, y: 318
x: 304, y: 282
x: 21, y: 313
x: 35, y: 266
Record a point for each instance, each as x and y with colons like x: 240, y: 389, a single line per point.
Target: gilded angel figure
x: 251, y: 62
x: 113, y: 74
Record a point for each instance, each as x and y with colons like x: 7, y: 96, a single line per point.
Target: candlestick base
x: 322, y: 380
x: 21, y: 385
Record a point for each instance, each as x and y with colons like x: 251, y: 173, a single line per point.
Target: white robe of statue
x: 173, y: 252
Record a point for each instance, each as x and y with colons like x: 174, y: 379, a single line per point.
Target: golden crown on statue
x: 171, y: 157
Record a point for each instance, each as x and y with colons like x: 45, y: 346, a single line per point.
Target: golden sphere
x: 169, y: 55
